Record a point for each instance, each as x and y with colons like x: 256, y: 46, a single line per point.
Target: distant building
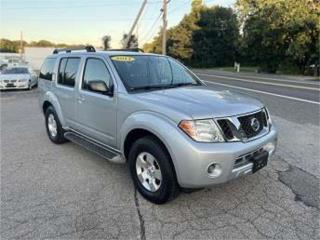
x: 35, y: 55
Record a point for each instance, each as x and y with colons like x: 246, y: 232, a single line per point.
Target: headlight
x: 22, y: 80
x: 204, y: 130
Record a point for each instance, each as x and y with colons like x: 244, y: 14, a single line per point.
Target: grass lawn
x: 242, y: 69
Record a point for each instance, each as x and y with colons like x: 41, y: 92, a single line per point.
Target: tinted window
x: 47, y: 69
x: 62, y: 67
x: 95, y: 69
x: 18, y: 70
x: 139, y: 72
x: 68, y: 70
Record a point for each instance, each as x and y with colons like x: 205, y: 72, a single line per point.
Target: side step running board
x: 92, y: 146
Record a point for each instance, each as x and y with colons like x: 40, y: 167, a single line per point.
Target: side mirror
x: 100, y: 87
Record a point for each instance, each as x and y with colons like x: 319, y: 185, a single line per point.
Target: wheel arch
x: 45, y: 106
x: 138, y: 133
x: 50, y: 99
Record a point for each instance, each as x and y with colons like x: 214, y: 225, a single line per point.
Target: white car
x: 18, y: 78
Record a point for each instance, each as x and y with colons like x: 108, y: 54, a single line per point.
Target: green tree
x: 179, y: 37
x: 215, y: 42
x: 41, y: 43
x: 132, y: 43
x: 106, y: 42
x: 280, y: 32
x: 205, y: 37
x: 155, y: 45
x: 7, y: 45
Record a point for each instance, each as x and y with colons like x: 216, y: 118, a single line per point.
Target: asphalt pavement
x: 65, y: 192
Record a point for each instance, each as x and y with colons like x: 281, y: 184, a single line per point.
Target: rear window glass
x: 47, y: 69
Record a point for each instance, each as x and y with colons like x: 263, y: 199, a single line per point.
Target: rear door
x: 68, y: 73
x: 96, y: 112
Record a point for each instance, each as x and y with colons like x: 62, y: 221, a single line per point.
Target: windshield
x: 15, y: 71
x: 152, y: 72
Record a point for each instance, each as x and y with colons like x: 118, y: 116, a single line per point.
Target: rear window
x: 47, y: 69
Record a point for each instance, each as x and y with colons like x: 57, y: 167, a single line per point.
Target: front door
x: 96, y: 111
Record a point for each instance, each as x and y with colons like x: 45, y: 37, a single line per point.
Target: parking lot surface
x: 65, y: 192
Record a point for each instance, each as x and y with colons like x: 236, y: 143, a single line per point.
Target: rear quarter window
x: 47, y: 69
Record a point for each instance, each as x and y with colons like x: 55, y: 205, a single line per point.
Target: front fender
x: 161, y: 126
x: 51, y: 98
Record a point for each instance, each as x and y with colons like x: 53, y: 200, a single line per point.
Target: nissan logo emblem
x: 255, y: 124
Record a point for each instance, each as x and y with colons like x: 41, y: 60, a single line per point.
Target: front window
x: 140, y: 72
x: 95, y: 69
x: 15, y: 71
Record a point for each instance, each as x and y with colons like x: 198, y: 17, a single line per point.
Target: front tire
x: 54, y: 129
x: 151, y: 170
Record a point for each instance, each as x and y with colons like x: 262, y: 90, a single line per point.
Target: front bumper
x: 20, y: 85
x: 192, y: 160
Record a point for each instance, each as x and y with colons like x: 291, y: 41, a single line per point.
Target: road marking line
x: 267, y: 93
x: 259, y: 82
x: 280, y: 80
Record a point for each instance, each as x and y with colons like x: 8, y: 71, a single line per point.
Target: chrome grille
x: 240, y: 128
x: 226, y: 128
x: 9, y: 81
x: 246, y: 125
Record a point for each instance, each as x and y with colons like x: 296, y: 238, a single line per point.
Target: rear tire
x: 54, y: 129
x: 160, y: 176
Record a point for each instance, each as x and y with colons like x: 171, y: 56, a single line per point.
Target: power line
x: 151, y: 30
x: 78, y: 20
x: 74, y: 6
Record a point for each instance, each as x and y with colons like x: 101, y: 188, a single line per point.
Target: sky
x: 87, y: 21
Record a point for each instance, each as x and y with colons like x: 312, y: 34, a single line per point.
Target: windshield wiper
x: 151, y: 87
x: 155, y: 87
x: 183, y: 84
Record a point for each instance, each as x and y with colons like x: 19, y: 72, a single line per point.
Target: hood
x: 201, y: 102
x: 14, y: 76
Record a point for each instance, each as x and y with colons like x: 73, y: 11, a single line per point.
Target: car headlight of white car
x: 23, y: 80
x: 204, y: 130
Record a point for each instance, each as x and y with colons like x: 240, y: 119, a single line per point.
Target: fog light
x: 214, y: 170
x: 270, y: 148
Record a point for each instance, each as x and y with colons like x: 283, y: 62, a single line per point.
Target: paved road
x: 66, y: 192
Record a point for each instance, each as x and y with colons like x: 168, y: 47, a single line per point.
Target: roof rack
x: 88, y: 48
x: 127, y: 50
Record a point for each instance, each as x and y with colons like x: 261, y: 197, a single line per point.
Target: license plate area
x: 259, y: 160
x: 10, y: 85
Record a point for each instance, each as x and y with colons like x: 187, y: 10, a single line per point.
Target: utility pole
x: 21, y: 45
x: 164, y: 27
x: 125, y: 45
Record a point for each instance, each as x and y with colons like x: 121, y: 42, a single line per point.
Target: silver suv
x: 154, y: 114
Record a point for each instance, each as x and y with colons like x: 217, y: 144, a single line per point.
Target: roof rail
x: 127, y: 50
x: 88, y: 48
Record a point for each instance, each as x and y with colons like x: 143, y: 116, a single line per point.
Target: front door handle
x: 81, y: 99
